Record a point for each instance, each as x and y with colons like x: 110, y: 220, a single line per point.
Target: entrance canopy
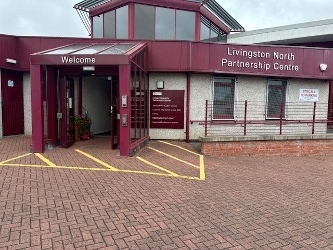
x: 88, y: 54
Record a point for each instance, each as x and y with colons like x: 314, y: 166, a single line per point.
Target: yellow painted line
x: 48, y: 166
x: 179, y: 147
x: 202, y: 168
x: 18, y: 157
x: 47, y: 161
x: 97, y: 160
x: 158, y: 167
x: 173, y: 157
x: 160, y: 174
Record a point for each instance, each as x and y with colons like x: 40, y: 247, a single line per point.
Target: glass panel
x: 276, y: 96
x: 165, y: 24
x: 110, y: 24
x: 92, y: 49
x: 118, y: 49
x: 214, y: 33
x: 144, y: 21
x: 98, y: 26
x: 122, y: 22
x: 223, y: 104
x: 185, y: 25
x: 67, y: 49
x: 204, y: 32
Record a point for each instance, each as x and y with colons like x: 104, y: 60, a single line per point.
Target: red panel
x: 12, y: 102
x: 8, y: 46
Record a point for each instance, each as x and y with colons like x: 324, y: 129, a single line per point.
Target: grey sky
x: 58, y: 18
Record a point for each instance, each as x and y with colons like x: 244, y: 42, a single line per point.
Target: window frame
x: 283, y: 86
x: 218, y: 116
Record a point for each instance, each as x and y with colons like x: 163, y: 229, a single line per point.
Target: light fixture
x: 160, y: 84
x: 323, y: 66
x: 8, y: 60
x: 88, y: 68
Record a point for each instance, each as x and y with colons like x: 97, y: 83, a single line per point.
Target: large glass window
x: 185, y: 25
x: 276, y: 97
x: 165, y: 24
x: 98, y: 26
x: 204, y: 32
x: 209, y: 32
x: 122, y: 22
x: 223, y: 98
x: 110, y: 24
x: 144, y: 21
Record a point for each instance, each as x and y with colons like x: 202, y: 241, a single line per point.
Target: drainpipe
x: 188, y: 89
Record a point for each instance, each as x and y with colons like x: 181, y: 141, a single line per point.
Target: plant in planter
x: 82, y: 126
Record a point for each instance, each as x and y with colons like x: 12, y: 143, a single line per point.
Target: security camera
x: 323, y: 66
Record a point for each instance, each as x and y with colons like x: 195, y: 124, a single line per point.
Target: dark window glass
x: 185, y: 25
x: 122, y: 22
x: 144, y: 22
x: 204, y: 30
x: 98, y: 26
x: 110, y: 24
x: 223, y: 98
x: 214, y: 33
x: 165, y: 24
x: 276, y: 97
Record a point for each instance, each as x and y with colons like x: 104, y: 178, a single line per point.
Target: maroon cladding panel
x: 8, y: 50
x: 167, y: 109
x: 12, y: 103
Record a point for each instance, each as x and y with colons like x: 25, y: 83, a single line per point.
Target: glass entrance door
x: 67, y: 126
x: 114, y: 113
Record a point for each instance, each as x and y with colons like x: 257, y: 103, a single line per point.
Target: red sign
x: 167, y: 109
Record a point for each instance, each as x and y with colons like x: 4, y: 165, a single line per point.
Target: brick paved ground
x: 244, y: 203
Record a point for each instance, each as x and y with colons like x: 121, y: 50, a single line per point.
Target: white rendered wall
x: 27, y: 103
x: 250, y: 88
x: 171, y: 82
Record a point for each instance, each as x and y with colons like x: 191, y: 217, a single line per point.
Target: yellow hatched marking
x: 97, y: 160
x: 179, y: 147
x: 159, y: 174
x: 158, y: 167
x: 47, y: 161
x: 48, y: 166
x: 202, y: 168
x: 173, y: 157
x: 18, y: 157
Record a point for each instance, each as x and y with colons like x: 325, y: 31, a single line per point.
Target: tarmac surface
x: 168, y: 196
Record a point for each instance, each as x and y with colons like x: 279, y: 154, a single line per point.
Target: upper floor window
x: 276, y: 98
x: 112, y: 24
x: 163, y: 24
x: 210, y: 32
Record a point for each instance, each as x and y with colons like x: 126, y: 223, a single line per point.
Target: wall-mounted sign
x: 10, y: 83
x: 77, y: 60
x: 309, y: 95
x: 167, y: 109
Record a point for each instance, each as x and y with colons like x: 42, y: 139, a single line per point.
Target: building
x: 161, y: 70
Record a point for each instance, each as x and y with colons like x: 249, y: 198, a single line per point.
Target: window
x: 185, y: 25
x: 165, y: 24
x: 122, y: 22
x: 223, y: 98
x: 276, y: 98
x: 144, y: 21
x: 110, y: 24
x: 98, y: 26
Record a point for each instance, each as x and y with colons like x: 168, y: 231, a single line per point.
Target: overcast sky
x: 58, y: 18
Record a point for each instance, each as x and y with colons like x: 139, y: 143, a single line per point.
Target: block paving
x: 245, y: 202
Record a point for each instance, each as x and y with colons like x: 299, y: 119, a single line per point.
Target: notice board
x: 167, y: 109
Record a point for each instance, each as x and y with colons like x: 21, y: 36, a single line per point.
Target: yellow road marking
x: 154, y: 165
x: 97, y: 160
x: 202, y: 168
x: 47, y: 161
x: 173, y: 157
x: 18, y: 157
x: 179, y: 147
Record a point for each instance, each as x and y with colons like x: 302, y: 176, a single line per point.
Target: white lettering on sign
x: 285, y: 60
x: 79, y: 60
x: 309, y: 95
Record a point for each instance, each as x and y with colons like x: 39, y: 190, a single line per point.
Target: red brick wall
x: 291, y: 147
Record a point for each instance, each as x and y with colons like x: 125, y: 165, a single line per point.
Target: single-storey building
x: 162, y: 70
